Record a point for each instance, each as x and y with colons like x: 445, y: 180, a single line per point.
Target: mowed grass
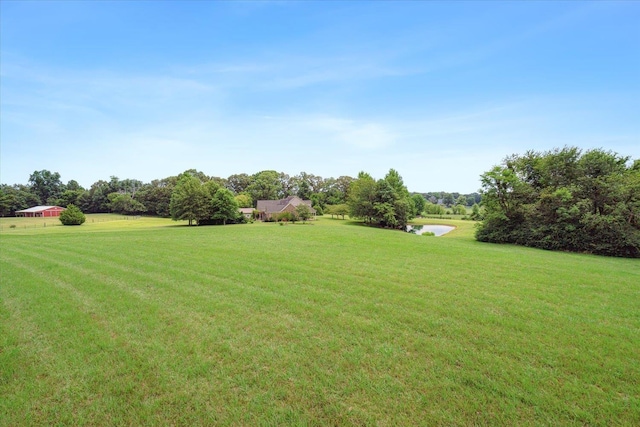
x: 329, y: 323
x: 23, y: 224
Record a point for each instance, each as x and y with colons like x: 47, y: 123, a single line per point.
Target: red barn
x: 41, y: 211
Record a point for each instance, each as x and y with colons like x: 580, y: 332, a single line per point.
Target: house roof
x: 274, y: 206
x: 246, y: 210
x: 39, y: 209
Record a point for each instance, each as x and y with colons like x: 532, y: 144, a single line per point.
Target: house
x: 41, y: 211
x: 268, y: 208
x: 246, y: 212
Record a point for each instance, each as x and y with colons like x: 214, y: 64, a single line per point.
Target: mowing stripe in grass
x: 326, y: 324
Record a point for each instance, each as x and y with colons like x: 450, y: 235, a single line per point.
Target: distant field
x: 147, y: 322
x: 13, y: 224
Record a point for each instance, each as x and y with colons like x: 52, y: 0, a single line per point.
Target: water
x: 438, y: 230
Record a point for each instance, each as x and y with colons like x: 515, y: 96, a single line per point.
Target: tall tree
x: 362, y: 196
x: 304, y: 190
x: 384, y: 205
x: 447, y: 199
x: 288, y: 185
x: 46, y: 185
x: 244, y: 200
x: 70, y: 197
x: 156, y: 196
x: 73, y: 185
x: 225, y: 207
x: 189, y: 200
x: 386, y: 202
x: 403, y: 208
x: 238, y: 183
x: 265, y: 185
x: 418, y: 204
x: 97, y: 200
x: 343, y: 184
x: 202, y: 177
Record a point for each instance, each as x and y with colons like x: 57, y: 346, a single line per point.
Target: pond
x: 438, y: 230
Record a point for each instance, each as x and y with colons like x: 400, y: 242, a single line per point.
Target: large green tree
x: 46, y: 185
x: 190, y: 200
x: 70, y: 197
x: 265, y: 185
x: 342, y: 185
x: 238, y: 183
x: 225, y: 207
x: 362, y: 197
x: 97, y: 200
x: 418, y: 204
x: 244, y: 200
x: 386, y: 202
x: 564, y: 199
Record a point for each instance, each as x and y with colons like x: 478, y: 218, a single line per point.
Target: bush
x: 286, y: 217
x: 72, y: 216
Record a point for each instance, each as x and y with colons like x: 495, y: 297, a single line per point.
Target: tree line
x: 131, y: 196
x: 202, y: 199
x: 564, y: 199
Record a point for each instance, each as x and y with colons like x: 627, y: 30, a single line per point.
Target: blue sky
x: 440, y: 91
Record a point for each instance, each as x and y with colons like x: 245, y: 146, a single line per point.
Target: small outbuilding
x: 246, y: 212
x: 41, y: 212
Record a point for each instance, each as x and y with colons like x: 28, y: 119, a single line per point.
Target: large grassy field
x: 148, y: 322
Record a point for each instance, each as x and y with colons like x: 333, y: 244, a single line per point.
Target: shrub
x: 475, y: 213
x: 286, y: 217
x: 72, y: 216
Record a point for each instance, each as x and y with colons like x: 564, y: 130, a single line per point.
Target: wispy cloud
x: 437, y: 95
x: 362, y: 134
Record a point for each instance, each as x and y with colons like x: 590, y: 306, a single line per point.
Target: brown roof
x: 275, y: 206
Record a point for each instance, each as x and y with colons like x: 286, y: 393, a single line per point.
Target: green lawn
x: 148, y: 322
x: 21, y: 224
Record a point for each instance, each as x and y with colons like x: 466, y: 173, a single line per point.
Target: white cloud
x: 361, y: 134
x: 148, y: 126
